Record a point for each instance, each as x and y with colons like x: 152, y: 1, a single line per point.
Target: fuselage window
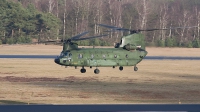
x: 80, y: 56
x: 104, y: 56
x: 92, y: 56
x: 70, y: 56
x: 126, y: 55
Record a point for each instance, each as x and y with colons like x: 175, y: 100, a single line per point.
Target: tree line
x: 25, y: 20
x: 21, y: 25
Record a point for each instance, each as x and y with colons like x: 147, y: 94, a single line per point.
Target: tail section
x: 134, y: 41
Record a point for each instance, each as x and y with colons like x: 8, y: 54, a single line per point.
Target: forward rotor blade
x: 79, y: 35
x: 108, y: 26
x: 151, y: 29
x: 49, y: 41
x: 89, y: 37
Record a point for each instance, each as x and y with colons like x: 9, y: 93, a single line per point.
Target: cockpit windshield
x: 62, y: 54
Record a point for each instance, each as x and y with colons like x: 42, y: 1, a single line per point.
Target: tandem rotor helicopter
x: 129, y: 52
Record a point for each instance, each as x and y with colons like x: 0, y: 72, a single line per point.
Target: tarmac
x: 146, y: 58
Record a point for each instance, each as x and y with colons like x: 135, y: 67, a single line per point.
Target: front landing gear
x: 135, y: 68
x: 96, y: 71
x: 83, y: 70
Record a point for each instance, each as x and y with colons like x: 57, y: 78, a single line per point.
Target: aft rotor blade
x: 114, y: 27
x: 79, y: 35
x: 89, y: 37
x: 183, y: 27
x: 169, y: 28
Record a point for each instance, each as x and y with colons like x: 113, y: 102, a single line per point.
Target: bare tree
x: 76, y: 4
x: 85, y: 15
x: 57, y: 15
x: 118, y: 15
x: 51, y: 5
x: 164, y: 17
x: 197, y: 17
x: 64, y: 18
x: 97, y: 13
x: 143, y: 9
x: 184, y: 21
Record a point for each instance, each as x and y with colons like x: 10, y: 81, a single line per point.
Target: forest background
x: 27, y: 21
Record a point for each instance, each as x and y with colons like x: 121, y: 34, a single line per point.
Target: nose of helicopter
x: 57, y: 60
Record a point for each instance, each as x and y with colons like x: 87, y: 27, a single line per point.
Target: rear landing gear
x: 83, y: 70
x: 96, y: 71
x: 121, y: 68
x: 135, y: 68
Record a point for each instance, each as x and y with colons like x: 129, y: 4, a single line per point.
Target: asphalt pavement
x: 146, y: 58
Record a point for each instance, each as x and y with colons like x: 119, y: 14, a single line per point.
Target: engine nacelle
x: 131, y: 47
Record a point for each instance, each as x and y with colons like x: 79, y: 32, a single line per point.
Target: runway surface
x: 54, y: 56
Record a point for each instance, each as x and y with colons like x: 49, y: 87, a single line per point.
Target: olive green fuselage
x: 129, y: 52
x: 100, y: 57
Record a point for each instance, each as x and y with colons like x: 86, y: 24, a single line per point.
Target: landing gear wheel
x: 83, y: 70
x: 96, y: 71
x: 135, y: 68
x: 121, y: 68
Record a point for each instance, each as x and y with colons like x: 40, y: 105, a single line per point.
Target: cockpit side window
x: 92, y: 56
x: 62, y: 54
x: 65, y: 53
x: 70, y: 54
x: 104, y: 56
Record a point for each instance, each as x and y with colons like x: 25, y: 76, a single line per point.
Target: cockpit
x: 63, y: 54
x: 64, y: 58
x: 66, y: 54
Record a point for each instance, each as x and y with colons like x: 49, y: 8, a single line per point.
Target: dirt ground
x: 41, y: 81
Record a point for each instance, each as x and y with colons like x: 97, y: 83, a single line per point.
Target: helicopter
x: 128, y: 52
